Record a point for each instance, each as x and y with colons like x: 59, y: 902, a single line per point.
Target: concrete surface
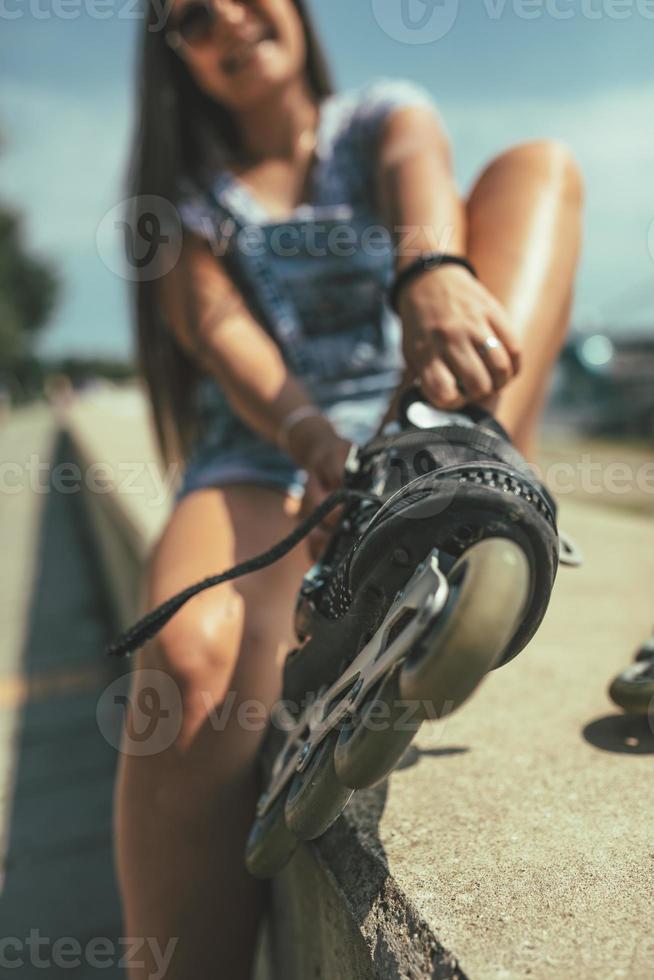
x: 609, y: 472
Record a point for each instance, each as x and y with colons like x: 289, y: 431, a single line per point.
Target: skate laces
x: 149, y: 625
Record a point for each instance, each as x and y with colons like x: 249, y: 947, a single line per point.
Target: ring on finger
x: 491, y: 342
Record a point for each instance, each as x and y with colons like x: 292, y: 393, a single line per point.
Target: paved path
x: 56, y: 770
x: 520, y: 829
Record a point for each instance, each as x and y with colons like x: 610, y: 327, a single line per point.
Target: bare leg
x: 183, y: 814
x: 524, y: 232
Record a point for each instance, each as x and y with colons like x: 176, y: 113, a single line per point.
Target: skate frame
x: 425, y: 593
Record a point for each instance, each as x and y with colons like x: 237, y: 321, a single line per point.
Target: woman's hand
x: 456, y: 337
x: 317, y: 448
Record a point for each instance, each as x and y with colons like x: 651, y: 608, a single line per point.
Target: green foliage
x: 82, y: 369
x: 28, y: 292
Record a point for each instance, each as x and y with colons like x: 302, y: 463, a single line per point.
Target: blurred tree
x: 28, y: 292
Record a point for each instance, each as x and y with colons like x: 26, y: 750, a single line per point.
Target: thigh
x: 192, y: 800
x: 231, y: 639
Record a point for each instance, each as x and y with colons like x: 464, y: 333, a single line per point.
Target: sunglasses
x: 194, y: 25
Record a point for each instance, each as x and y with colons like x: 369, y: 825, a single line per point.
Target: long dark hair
x: 180, y: 131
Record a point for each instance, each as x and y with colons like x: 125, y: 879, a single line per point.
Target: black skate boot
x: 440, y: 570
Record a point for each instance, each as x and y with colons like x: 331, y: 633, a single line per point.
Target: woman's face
x: 242, y: 49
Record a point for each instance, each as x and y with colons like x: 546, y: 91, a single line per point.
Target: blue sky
x: 502, y: 71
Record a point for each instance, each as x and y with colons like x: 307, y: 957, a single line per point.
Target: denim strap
x: 229, y: 202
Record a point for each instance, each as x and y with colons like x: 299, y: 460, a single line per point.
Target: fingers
x: 475, y: 364
x: 460, y: 344
x: 329, y: 467
x: 468, y: 370
x: 439, y: 385
x: 496, y: 359
x: 471, y: 371
x: 314, y: 494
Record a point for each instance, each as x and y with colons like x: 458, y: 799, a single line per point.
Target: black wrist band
x: 430, y: 260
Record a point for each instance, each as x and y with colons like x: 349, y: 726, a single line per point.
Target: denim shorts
x: 243, y: 457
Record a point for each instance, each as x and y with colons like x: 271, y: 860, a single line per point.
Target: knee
x: 551, y: 159
x: 199, y: 649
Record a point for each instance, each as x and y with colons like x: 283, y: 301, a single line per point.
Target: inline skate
x: 440, y: 570
x: 633, y: 689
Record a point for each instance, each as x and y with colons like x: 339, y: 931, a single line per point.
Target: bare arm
x: 211, y: 319
x: 418, y: 195
x: 449, y: 319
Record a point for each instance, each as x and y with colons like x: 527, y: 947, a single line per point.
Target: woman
x: 264, y: 359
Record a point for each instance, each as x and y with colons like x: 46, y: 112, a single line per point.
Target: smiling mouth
x: 243, y: 50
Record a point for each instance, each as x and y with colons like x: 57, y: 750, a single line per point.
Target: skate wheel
x: 375, y: 741
x: 489, y: 586
x: 271, y: 844
x: 633, y: 689
x: 316, y: 797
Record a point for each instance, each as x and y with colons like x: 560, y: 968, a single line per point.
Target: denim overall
x: 316, y: 281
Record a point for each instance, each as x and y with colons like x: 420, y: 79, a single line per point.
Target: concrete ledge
x: 339, y: 913
x: 514, y: 840
x: 127, y: 494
